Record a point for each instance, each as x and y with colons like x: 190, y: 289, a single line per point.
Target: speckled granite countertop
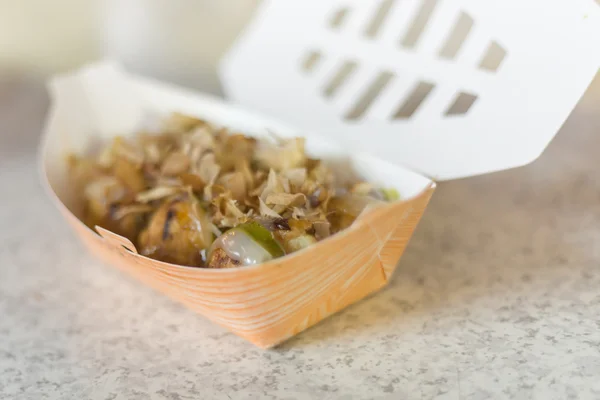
x: 497, y: 297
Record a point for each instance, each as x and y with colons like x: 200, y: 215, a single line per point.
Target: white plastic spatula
x: 449, y: 88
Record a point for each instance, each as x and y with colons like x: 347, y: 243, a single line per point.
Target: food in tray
x: 199, y: 195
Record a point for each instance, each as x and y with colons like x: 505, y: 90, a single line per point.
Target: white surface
x: 552, y: 56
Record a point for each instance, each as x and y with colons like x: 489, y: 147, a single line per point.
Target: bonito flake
x: 199, y: 195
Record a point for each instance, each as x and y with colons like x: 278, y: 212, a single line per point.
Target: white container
x: 550, y: 55
x: 284, y: 65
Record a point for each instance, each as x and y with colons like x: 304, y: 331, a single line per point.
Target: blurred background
x: 176, y: 40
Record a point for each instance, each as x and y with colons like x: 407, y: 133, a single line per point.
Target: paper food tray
x: 268, y: 303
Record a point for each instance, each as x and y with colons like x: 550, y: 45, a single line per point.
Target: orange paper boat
x: 267, y: 303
